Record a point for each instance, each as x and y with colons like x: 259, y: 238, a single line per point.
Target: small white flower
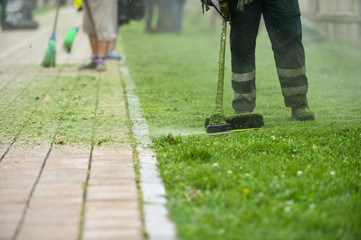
x: 215, y: 164
x: 299, y: 173
x: 240, y: 167
x: 260, y: 195
x: 273, y: 137
x: 332, y: 173
x: 289, y: 202
x: 229, y: 171
x: 312, y: 207
x: 283, y: 176
x: 314, y: 146
x: 247, y: 175
x: 287, y: 209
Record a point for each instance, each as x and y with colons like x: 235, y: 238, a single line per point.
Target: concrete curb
x: 157, y: 223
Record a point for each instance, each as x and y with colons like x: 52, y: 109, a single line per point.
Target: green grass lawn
x: 288, y: 180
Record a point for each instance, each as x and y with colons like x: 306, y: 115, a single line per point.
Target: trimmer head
x: 224, y: 127
x: 236, y: 122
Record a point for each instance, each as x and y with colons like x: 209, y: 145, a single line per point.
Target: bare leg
x: 94, y: 44
x: 99, y: 50
x: 103, y: 48
x: 111, y: 50
x: 112, y: 45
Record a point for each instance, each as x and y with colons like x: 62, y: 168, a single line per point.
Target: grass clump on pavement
x: 288, y: 180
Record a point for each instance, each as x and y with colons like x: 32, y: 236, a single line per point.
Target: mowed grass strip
x: 287, y: 180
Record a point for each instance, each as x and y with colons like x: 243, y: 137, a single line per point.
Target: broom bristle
x: 50, y: 54
x: 69, y: 39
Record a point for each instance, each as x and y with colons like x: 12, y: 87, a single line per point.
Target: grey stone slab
x: 153, y: 193
x: 157, y: 222
x: 149, y: 173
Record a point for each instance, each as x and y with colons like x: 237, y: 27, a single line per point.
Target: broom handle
x: 56, y: 16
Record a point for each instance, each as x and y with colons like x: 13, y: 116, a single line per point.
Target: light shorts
x: 104, y: 15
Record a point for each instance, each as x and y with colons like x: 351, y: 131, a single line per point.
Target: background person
x: 100, y: 24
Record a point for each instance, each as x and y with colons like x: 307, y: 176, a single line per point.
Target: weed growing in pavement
x: 288, y: 180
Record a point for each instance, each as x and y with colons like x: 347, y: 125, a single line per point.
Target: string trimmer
x: 217, y: 122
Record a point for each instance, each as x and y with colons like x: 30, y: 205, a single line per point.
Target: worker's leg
x: 283, y: 24
x: 244, y: 30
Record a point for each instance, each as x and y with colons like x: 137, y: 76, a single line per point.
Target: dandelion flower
x: 246, y: 191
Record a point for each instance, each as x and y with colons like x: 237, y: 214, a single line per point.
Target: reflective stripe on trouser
x: 282, y: 20
x: 294, y: 86
x: 244, y: 86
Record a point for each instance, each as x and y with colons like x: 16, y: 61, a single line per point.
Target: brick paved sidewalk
x: 85, y: 189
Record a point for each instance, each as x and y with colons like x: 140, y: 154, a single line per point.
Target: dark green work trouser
x: 282, y: 19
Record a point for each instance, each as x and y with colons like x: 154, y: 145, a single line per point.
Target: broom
x: 50, y: 53
x: 69, y: 39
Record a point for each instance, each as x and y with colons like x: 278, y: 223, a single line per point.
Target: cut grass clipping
x: 287, y: 180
